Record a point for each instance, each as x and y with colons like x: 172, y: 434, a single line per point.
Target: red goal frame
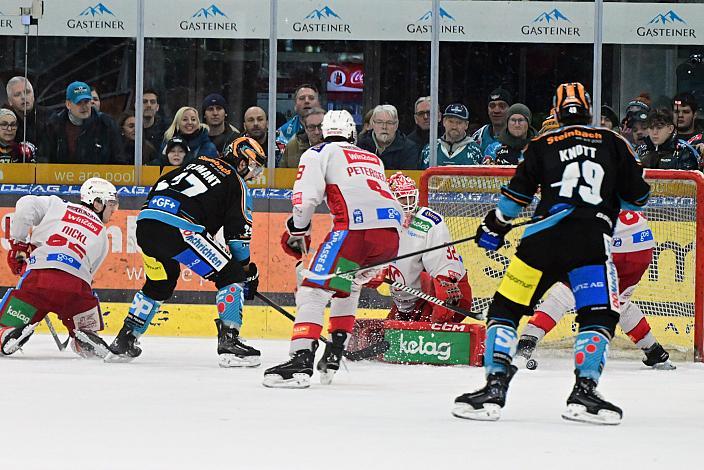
x: 695, y: 176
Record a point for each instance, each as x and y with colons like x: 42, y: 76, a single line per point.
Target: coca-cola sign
x: 345, y: 77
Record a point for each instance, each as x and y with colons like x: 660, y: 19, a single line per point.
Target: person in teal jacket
x: 455, y: 147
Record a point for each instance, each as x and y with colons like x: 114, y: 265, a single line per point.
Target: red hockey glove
x: 378, y: 279
x: 295, y: 241
x: 447, y: 289
x: 17, y: 256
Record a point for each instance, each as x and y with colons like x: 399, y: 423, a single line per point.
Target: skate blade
x: 667, y: 365
x: 232, y: 360
x: 490, y: 412
x: 276, y: 381
x: 118, y: 358
x: 100, y: 351
x: 12, y: 346
x: 326, y: 377
x: 578, y: 413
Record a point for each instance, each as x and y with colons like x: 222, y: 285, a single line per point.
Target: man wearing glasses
x: 312, y: 134
x: 395, y: 149
x: 421, y: 115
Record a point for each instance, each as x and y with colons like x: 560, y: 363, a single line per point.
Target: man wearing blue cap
x: 455, y: 147
x: 80, y: 134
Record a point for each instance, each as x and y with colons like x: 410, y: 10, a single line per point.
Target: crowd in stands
x: 667, y: 137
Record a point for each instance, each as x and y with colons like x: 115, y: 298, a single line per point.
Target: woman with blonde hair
x: 187, y: 124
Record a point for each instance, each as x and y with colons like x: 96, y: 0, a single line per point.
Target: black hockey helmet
x: 248, y: 150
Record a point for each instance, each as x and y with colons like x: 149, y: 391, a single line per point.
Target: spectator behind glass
x: 311, y: 135
x: 421, y: 115
x: 11, y: 151
x: 455, y: 147
x: 95, y: 99
x: 366, y: 123
x: 684, y: 106
x: 78, y: 134
x: 215, y: 111
x: 154, y: 126
x: 661, y: 149
x: 609, y: 118
x: 256, y: 126
x: 497, y: 107
x: 394, y: 149
x: 633, y: 125
x: 187, y: 125
x: 305, y: 97
x: 174, y: 153
x: 509, y: 149
x: 20, y: 100
x: 127, y: 124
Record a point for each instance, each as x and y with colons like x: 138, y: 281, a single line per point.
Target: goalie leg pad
x: 141, y: 313
x: 229, y: 301
x: 501, y: 341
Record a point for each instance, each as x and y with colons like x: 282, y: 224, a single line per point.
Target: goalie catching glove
x: 17, y: 256
x: 295, y: 241
x: 492, y: 231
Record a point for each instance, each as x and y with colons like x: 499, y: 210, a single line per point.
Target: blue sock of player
x: 141, y: 313
x: 229, y: 301
x: 501, y: 341
x: 590, y: 350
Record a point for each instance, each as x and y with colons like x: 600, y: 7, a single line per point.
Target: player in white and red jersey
x: 632, y: 249
x: 67, y: 245
x: 439, y: 272
x: 366, y: 222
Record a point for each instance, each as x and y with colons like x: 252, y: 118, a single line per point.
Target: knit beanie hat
x: 520, y: 108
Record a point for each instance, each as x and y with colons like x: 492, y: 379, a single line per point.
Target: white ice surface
x: 174, y: 408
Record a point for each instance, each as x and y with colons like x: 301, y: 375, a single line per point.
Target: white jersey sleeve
x: 351, y: 181
x: 426, y: 229
x: 632, y: 233
x: 69, y: 237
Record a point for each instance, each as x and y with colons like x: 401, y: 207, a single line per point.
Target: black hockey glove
x: 251, y: 283
x: 491, y: 232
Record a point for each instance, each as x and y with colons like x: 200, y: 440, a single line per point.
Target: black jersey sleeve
x: 632, y: 188
x: 520, y: 190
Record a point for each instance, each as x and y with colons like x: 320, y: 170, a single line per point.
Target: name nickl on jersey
x: 360, y: 157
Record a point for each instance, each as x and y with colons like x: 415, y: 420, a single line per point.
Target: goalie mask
x: 247, y: 156
x: 405, y: 191
x: 572, y: 104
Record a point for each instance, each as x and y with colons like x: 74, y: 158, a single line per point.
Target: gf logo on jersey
x: 165, y: 204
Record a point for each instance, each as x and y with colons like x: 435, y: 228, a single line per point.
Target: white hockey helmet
x: 405, y: 191
x: 98, y: 188
x: 338, y: 124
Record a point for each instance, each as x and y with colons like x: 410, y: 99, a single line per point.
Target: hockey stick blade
x: 434, y: 300
x: 370, y: 351
x: 55, y: 335
x: 308, y: 274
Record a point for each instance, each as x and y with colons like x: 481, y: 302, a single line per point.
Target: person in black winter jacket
x: 79, y: 134
x: 387, y: 143
x: 662, y: 150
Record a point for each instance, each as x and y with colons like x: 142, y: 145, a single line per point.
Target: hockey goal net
x: 670, y: 292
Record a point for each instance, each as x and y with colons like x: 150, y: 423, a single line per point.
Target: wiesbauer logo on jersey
x: 354, y: 156
x: 73, y: 218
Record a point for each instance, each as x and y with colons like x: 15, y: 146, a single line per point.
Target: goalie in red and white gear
x: 439, y: 272
x: 632, y: 249
x: 366, y: 222
x: 58, y: 261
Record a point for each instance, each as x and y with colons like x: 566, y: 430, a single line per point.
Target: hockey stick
x: 55, y: 335
x: 433, y: 300
x: 324, y: 277
x: 365, y: 353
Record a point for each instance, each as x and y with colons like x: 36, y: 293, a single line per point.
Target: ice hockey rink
x: 174, y: 408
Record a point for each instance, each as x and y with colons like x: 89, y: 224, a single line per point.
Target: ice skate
x: 232, y: 352
x: 295, y: 373
x: 12, y: 339
x: 658, y: 358
x: 89, y: 345
x: 124, y: 347
x: 330, y: 362
x: 524, y: 350
x: 485, y: 404
x: 586, y: 405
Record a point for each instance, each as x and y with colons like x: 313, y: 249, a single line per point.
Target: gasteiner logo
x: 210, y: 18
x: 5, y: 22
x: 448, y: 24
x: 551, y: 23
x: 322, y: 20
x: 668, y: 24
x: 94, y: 17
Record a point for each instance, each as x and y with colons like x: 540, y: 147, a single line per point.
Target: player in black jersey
x: 177, y: 223
x: 585, y: 175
